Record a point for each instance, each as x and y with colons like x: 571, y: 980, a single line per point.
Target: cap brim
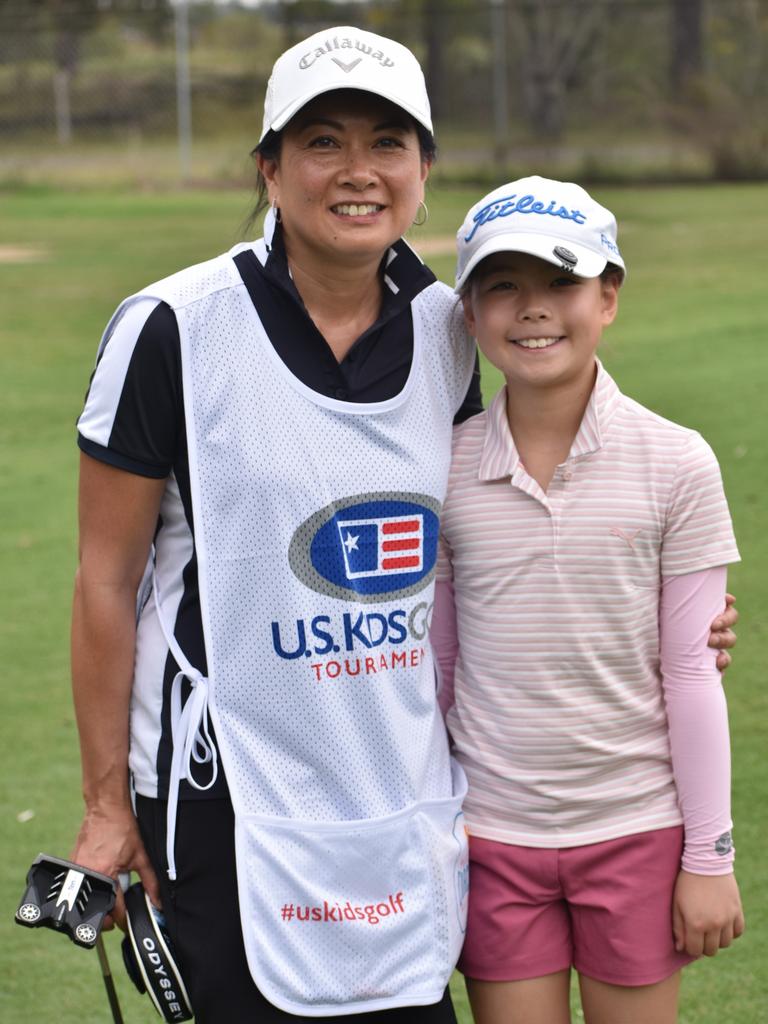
x: 588, y: 262
x: 331, y: 86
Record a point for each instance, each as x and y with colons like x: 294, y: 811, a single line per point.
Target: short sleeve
x: 698, y: 532
x: 134, y: 408
x: 467, y: 362
x: 473, y: 400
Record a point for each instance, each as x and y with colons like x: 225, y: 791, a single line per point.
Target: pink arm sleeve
x: 698, y: 717
x: 445, y: 641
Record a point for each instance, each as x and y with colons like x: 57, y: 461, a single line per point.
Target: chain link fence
x: 599, y: 88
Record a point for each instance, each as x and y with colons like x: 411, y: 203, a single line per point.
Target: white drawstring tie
x: 191, y: 742
x: 190, y: 731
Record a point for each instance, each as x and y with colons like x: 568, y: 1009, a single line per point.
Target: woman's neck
x: 343, y: 302
x: 545, y: 421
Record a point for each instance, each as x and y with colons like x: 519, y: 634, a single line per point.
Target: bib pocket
x: 355, y: 916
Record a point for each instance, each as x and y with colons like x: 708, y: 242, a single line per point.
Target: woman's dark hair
x: 269, y: 148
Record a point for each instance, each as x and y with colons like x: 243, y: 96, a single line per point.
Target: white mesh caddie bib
x: 316, y: 526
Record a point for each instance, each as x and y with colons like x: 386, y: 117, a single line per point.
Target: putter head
x: 66, y: 897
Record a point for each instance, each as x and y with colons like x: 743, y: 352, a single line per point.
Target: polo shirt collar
x: 405, y: 274
x: 597, y: 418
x: 500, y: 457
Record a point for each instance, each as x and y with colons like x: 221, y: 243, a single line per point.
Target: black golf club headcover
x: 149, y: 958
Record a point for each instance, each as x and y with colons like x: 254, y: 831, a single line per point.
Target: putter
x: 109, y: 984
x: 75, y: 900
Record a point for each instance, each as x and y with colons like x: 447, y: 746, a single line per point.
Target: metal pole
x: 500, y: 94
x: 183, y: 93
x: 61, y: 79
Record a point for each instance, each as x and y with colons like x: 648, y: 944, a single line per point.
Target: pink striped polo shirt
x: 559, y: 719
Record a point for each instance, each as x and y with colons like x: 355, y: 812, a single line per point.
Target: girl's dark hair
x: 269, y: 148
x: 611, y: 270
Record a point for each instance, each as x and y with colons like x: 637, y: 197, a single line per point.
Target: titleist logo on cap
x: 345, y: 44
x: 508, y: 205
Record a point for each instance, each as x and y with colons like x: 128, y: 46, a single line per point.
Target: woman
x: 265, y: 451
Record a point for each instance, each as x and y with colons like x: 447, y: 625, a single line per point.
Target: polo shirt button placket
x: 553, y: 525
x: 557, y: 497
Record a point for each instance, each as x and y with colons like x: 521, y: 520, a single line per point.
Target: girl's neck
x: 343, y: 301
x: 545, y: 421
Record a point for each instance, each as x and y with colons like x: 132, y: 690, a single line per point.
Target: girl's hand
x: 109, y: 842
x: 722, y: 636
x: 706, y: 913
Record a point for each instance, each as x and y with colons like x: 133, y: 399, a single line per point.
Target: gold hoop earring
x: 276, y: 212
x: 417, y: 223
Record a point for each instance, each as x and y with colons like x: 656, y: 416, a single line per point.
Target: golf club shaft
x: 109, y: 984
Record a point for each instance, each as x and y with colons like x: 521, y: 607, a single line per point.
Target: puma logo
x: 346, y: 67
x: 626, y: 535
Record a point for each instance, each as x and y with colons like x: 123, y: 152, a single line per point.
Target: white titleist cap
x: 555, y: 220
x: 344, y: 58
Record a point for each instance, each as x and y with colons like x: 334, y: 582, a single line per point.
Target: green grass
x: 690, y: 342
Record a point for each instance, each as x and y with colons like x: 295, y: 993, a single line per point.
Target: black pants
x: 203, y: 918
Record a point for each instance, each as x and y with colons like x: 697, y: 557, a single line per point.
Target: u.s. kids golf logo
x: 375, y: 548
x: 370, y: 547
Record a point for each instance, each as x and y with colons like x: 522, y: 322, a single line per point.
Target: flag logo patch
x: 377, y: 547
x: 370, y: 546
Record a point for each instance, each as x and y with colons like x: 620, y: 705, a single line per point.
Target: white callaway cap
x: 555, y: 220
x: 344, y: 58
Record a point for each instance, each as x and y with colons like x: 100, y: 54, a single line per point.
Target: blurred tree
x: 686, y: 41
x: 430, y: 28
x: 554, y: 42
x: 434, y: 24
x: 723, y: 107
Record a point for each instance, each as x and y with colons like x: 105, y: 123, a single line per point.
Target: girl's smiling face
x: 349, y: 178
x: 537, y: 323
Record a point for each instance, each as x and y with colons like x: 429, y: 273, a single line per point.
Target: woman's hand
x: 706, y: 913
x: 722, y: 636
x: 109, y: 842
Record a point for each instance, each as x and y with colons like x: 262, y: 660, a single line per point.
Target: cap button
x: 566, y: 257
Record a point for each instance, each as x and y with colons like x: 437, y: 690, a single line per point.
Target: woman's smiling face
x: 349, y: 178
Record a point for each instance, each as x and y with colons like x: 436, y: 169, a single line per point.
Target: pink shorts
x: 605, y: 909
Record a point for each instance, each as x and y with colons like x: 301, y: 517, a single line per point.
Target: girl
x: 596, y: 745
